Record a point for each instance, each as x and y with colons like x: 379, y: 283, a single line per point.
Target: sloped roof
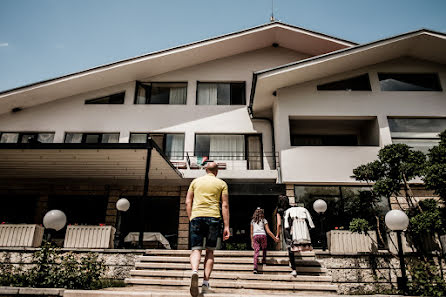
x: 423, y: 44
x: 295, y: 38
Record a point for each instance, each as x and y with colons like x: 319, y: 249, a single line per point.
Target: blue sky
x: 49, y: 38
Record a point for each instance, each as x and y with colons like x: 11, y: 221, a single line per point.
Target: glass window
x: 344, y: 203
x: 171, y: 144
x: 175, y: 146
x: 358, y: 83
x: 110, y: 138
x: 220, y: 147
x: 419, y: 133
x: 110, y: 99
x: 221, y: 93
x: 161, y: 93
x: 255, y: 152
x: 45, y: 137
x: 25, y: 137
x: 9, y: 138
x: 73, y: 137
x: 409, y: 82
x: 91, y: 137
x: 138, y: 137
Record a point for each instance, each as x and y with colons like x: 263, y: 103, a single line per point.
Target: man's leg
x: 208, y: 264
x: 195, y: 258
x: 196, y: 238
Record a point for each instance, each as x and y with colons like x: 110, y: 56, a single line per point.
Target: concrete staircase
x: 169, y: 271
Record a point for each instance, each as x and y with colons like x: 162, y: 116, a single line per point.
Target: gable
x: 424, y: 45
x: 156, y: 63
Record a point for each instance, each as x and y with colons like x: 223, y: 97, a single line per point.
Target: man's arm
x: 225, y: 213
x: 189, y: 201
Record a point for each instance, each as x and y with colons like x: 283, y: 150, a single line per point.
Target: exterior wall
x: 306, y: 164
x: 72, y: 115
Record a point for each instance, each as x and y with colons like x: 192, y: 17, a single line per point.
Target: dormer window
x: 409, y: 82
x: 357, y: 83
x: 221, y: 93
x: 161, y: 93
x: 111, y: 99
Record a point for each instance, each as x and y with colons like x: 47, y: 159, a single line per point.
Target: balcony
x: 232, y: 165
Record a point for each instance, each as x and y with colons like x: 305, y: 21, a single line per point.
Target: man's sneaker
x: 255, y: 271
x: 294, y: 273
x: 194, y: 284
x: 206, y: 289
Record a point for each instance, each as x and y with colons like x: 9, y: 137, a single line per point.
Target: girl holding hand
x: 259, y: 228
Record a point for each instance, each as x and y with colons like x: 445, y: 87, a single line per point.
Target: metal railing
x: 225, y: 160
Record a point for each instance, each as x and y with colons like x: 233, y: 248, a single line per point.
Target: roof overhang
x: 423, y: 44
x: 84, y: 161
x: 143, y: 67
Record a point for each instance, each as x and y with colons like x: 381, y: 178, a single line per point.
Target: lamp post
x: 122, y: 205
x: 397, y: 220
x: 54, y: 220
x: 320, y: 206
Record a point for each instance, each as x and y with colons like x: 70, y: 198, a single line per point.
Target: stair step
x: 231, y: 267
x: 231, y: 276
x: 222, y: 253
x: 227, y: 260
x: 153, y: 292
x: 216, y: 284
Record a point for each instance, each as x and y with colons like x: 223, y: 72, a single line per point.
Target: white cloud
x: 4, y: 44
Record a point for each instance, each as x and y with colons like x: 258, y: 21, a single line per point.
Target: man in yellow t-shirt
x: 203, y: 209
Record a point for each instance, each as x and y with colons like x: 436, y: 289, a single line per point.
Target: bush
x: 360, y: 226
x: 53, y: 270
x: 426, y: 280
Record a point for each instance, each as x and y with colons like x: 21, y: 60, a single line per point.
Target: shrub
x: 426, y: 280
x: 54, y: 270
x: 360, y: 226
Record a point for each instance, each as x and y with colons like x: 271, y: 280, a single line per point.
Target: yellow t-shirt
x: 207, y: 195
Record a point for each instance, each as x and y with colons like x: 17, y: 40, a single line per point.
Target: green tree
x: 397, y: 164
x: 435, y: 171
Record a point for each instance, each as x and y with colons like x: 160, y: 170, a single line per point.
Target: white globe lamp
x: 123, y: 204
x: 54, y: 219
x: 397, y: 220
x: 320, y: 206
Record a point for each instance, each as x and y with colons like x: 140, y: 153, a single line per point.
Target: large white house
x: 283, y: 110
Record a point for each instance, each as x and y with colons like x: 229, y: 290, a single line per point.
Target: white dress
x: 299, y: 230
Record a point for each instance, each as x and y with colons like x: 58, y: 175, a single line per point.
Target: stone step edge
x: 238, y: 260
x: 234, y: 267
x: 236, y: 285
x: 227, y: 275
x: 165, y: 293
x: 222, y: 253
x: 8, y: 291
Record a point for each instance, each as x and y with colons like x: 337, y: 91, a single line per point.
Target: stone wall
x: 118, y: 262
x: 366, y: 273
x: 353, y: 273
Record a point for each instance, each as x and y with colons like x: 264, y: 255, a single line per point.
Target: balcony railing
x: 225, y: 160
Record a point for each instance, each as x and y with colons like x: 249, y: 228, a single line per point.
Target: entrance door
x: 241, y: 209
